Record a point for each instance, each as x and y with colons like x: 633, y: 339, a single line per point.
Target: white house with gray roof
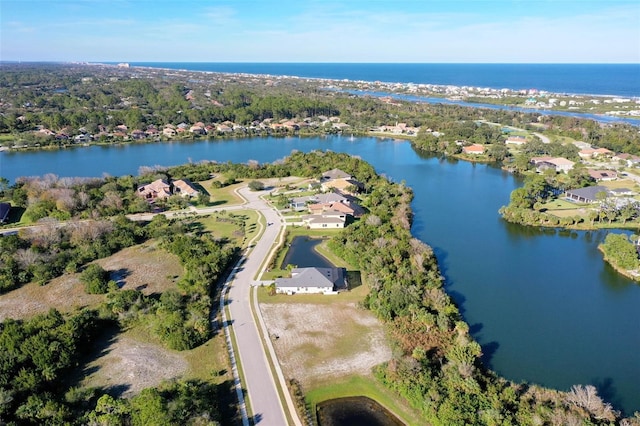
x: 312, y: 281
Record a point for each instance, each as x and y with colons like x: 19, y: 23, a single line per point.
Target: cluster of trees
x: 43, y: 253
x: 526, y: 204
x: 182, y: 318
x: 38, y: 355
x: 437, y: 364
x: 35, y: 356
x: 97, y: 99
x: 621, y: 251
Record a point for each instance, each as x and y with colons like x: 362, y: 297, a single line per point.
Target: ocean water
x: 596, y: 79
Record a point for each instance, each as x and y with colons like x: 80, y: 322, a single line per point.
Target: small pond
x: 302, y: 254
x: 354, y: 411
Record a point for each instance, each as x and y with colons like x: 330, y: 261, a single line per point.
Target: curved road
x: 259, y: 383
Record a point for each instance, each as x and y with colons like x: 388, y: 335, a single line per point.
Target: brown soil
x: 128, y: 365
x: 315, y: 343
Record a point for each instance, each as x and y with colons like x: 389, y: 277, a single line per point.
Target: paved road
x: 263, y: 395
x: 542, y: 137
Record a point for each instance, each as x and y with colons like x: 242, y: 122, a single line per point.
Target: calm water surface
x: 543, y: 305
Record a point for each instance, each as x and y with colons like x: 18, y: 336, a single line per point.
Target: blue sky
x: 566, y: 31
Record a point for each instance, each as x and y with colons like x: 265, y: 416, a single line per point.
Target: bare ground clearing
x: 316, y: 343
x: 145, y: 267
x: 128, y: 365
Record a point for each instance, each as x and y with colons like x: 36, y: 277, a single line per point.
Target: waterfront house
x: 157, y: 189
x: 185, y: 188
x: 349, y: 186
x: 474, y: 149
x: 169, y: 132
x: 312, y: 281
x: 334, y: 174
x: 559, y: 164
x: 585, y: 195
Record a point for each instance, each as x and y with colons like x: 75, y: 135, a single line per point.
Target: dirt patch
x: 128, y: 365
x: 144, y: 267
x: 317, y: 342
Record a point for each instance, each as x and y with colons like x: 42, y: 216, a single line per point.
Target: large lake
x: 543, y: 304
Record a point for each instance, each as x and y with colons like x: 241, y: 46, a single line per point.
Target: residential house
x: 328, y: 219
x: 197, y: 130
x: 474, y: 149
x: 559, y: 164
x: 185, y: 188
x: 603, y: 175
x: 312, y: 281
x: 631, y: 160
x: 585, y: 195
x: 621, y: 191
x: 330, y: 197
x: 169, y: 132
x: 138, y: 135
x: 334, y: 174
x: 349, y: 186
x: 5, y: 208
x: 593, y: 153
x: 300, y: 203
x: 157, y: 189
x: 348, y: 208
x: 82, y: 138
x: 516, y: 140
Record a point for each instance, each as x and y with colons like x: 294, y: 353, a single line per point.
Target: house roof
x: 158, y: 186
x: 475, y: 148
x: 603, y: 174
x: 588, y: 193
x: 330, y: 197
x: 335, y: 174
x: 312, y: 277
x: 185, y: 186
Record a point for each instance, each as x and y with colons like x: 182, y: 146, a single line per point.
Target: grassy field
x: 222, y: 196
x: 226, y: 226
x: 144, y: 267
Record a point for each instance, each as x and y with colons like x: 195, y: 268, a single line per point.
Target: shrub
x: 256, y: 185
x: 96, y: 279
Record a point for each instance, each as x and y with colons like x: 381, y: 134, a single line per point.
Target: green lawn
x: 222, y: 196
x: 227, y: 226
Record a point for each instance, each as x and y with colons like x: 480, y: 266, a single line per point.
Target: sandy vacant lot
x: 315, y: 343
x: 127, y: 365
x: 144, y: 267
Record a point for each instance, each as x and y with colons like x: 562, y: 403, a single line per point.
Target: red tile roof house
x: 185, y: 188
x: 474, y: 149
x: 157, y: 189
x: 592, y: 153
x: 603, y: 175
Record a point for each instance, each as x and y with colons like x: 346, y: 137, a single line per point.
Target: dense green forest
x: 109, y: 103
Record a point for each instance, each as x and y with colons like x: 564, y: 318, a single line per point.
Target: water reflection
x: 354, y: 411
